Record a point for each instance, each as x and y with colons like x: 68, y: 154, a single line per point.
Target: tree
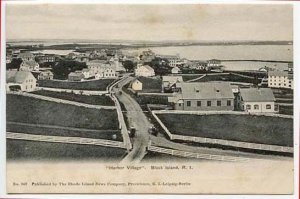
x: 63, y: 68
x: 15, y: 64
x: 160, y: 66
x: 128, y: 65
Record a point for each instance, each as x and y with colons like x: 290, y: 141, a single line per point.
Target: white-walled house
x: 29, y: 66
x: 280, y: 79
x: 20, y: 81
x: 144, y: 71
x: 106, y: 73
x: 258, y: 100
x: 137, y: 85
x: 44, y: 75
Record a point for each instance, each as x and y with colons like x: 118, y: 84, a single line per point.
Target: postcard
x: 149, y: 98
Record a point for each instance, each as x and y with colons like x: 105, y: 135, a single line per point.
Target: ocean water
x: 233, y: 52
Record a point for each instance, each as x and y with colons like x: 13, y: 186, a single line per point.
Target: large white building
x: 144, y: 71
x: 280, y: 79
x: 101, y: 69
x: 20, y: 81
x: 106, y: 73
x: 257, y: 100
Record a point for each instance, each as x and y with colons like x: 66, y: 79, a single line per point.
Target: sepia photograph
x: 149, y: 98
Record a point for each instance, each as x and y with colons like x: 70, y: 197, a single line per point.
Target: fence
x: 62, y: 101
x: 69, y: 140
x: 122, y: 123
x: 82, y: 92
x: 220, y: 113
x: 196, y: 155
x: 230, y: 143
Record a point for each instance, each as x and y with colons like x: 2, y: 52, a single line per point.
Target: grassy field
x: 229, y: 77
x: 151, y: 84
x: 65, y: 131
x: 245, y: 128
x: 35, y: 111
x: 87, y: 99
x: 286, y: 110
x: 97, y: 85
x: 31, y: 150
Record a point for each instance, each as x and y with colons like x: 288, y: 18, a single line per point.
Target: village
x: 143, y: 104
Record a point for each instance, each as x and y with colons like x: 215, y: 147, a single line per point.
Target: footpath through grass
x: 102, y: 100
x: 244, y: 128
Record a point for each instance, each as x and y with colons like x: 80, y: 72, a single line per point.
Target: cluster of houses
x: 214, y: 96
x: 98, y: 69
x: 31, y: 63
x: 220, y: 96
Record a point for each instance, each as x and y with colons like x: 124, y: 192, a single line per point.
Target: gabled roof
x: 257, y: 94
x: 30, y: 63
x: 14, y: 76
x: 147, y: 67
x: 46, y: 72
x: 76, y: 74
x: 206, y: 90
x: 26, y: 54
x: 278, y: 73
x: 85, y: 70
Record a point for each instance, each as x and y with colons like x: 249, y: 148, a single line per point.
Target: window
x: 188, y: 103
x: 208, y: 103
x: 270, y: 83
x: 179, y: 104
x: 228, y: 103
x: 248, y: 106
x: 198, y: 103
x: 256, y: 107
x: 268, y: 106
x: 218, y: 103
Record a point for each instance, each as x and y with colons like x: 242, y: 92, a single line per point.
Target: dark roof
x: 257, y: 94
x: 206, y: 90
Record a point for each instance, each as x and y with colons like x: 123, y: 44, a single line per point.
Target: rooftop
x: 30, y: 63
x: 257, y: 94
x: 206, y: 90
x: 278, y: 73
x: 13, y: 76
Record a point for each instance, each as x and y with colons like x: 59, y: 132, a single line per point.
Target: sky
x: 205, y: 22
